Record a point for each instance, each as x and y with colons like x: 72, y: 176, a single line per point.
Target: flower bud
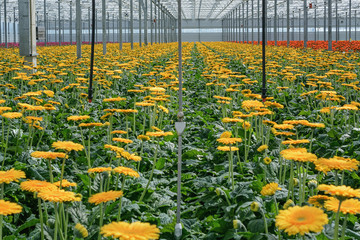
x: 267, y: 160
x: 254, y: 206
x: 289, y: 203
x: 218, y: 191
x: 312, y: 184
x: 236, y: 223
x: 295, y: 181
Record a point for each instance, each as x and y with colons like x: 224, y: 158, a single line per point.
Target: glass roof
x: 191, y: 9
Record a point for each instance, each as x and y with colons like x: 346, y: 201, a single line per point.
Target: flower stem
x: 265, y: 223
x: 336, y: 229
x: 62, y: 172
x: 6, y: 146
x: 151, y: 174
x: 120, y: 201
x: 344, y: 227
x: 101, y: 219
x: 41, y: 219
x: 50, y: 171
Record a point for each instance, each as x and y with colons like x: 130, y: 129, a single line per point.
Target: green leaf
x: 160, y: 163
x: 26, y: 225
x: 256, y: 226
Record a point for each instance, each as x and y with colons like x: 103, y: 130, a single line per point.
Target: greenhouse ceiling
x: 191, y: 9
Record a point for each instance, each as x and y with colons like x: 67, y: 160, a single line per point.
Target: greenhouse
x: 187, y: 119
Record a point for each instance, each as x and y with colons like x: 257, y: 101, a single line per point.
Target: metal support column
x: 103, y: 19
x: 45, y: 24
x: 305, y: 24
x: 140, y: 25
x: 329, y: 25
x: 355, y: 25
x: 5, y: 25
x: 243, y: 21
x: 252, y: 22
x: 146, y: 22
x: 180, y: 127
x: 258, y: 20
x: 315, y: 24
x: 349, y: 20
x: 27, y: 32
x: 89, y: 25
x: 346, y: 26
x: 120, y: 26
x: 299, y: 24
x: 287, y: 23
x: 336, y: 21
x: 324, y: 21
x: 132, y: 23
x: 59, y: 21
x: 151, y: 23
x: 275, y: 22
x: 14, y: 26
x: 163, y: 23
x: 247, y: 21
x: 78, y: 29
x: 71, y: 42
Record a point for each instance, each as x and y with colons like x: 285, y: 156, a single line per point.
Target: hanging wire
x: 90, y: 90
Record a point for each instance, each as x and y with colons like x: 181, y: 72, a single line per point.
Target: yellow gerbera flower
x: 351, y: 206
x: 118, y: 132
x: 12, y: 115
x: 58, y: 196
x: 227, y: 148
x: 143, y: 137
x: 270, y: 189
x: 295, y: 142
x: 78, y: 118
x: 7, y: 208
x: 318, y: 200
x: 298, y: 154
x: 126, y: 171
x: 99, y: 169
x: 36, y: 186
x: 67, y: 146
x: 122, y: 140
x: 48, y: 155
x: 159, y: 134
x: 228, y: 141
x: 340, y: 191
x: 105, y: 197
x: 65, y: 183
x: 11, y: 176
x: 301, y: 220
x: 133, y: 231
x: 82, y: 230
x: 262, y: 148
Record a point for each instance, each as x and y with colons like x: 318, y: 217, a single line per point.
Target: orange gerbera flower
x: 48, y: 155
x: 126, y: 171
x: 58, y: 196
x: 130, y: 231
x: 68, y: 146
x: 11, y: 176
x: 36, y: 186
x: 301, y: 220
x: 7, y: 208
x: 105, y: 197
